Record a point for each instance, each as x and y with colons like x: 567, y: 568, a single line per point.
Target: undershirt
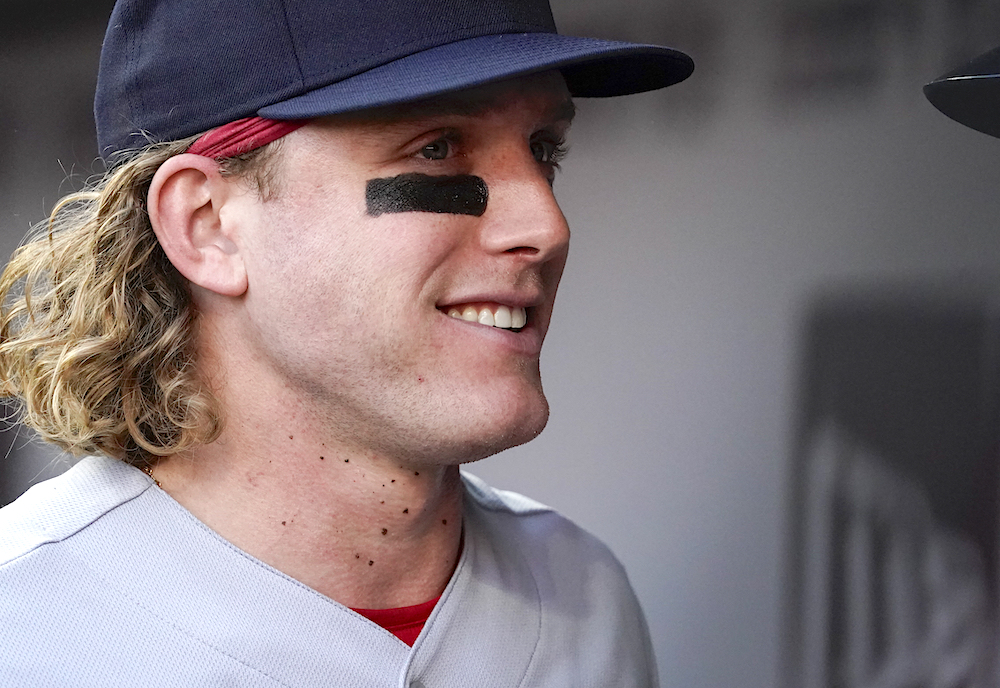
x: 403, y: 622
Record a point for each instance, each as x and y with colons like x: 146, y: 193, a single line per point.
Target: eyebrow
x: 564, y: 111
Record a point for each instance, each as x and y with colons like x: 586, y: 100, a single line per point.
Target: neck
x: 365, y: 530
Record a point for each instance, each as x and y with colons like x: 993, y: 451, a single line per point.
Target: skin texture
x: 350, y: 395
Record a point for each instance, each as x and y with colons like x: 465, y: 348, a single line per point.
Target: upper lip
x: 503, y: 299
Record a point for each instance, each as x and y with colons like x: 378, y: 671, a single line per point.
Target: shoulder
x: 55, y: 510
x: 547, y: 539
x: 500, y: 501
x: 589, y: 619
x: 52, y: 597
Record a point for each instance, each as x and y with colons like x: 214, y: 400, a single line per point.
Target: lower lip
x: 526, y: 342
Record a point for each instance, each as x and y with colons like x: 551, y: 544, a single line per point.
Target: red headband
x: 243, y: 136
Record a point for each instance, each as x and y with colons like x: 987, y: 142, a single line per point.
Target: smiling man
x: 314, y: 281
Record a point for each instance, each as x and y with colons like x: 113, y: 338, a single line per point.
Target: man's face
x: 386, y: 225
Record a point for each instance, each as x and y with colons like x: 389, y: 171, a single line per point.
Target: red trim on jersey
x: 403, y: 622
x: 243, y: 136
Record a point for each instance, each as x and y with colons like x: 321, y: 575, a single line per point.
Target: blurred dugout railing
x: 892, y: 599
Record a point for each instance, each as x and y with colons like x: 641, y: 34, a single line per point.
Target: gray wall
x: 48, y: 70
x: 800, y: 162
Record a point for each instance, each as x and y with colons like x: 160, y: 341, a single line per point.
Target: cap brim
x: 592, y: 68
x: 971, y: 95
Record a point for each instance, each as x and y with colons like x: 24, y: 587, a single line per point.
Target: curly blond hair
x: 96, y: 324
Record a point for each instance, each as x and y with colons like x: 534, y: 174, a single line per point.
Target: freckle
x: 370, y: 562
x: 406, y: 511
x: 357, y: 556
x: 416, y: 472
x: 322, y: 458
x: 444, y: 521
x: 393, y: 481
x: 283, y: 523
x: 385, y: 531
x: 291, y: 437
x: 347, y: 460
x: 382, y: 502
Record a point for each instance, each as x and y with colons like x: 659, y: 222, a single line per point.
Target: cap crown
x: 173, y: 68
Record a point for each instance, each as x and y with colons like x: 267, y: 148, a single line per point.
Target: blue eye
x: 541, y: 150
x: 438, y: 150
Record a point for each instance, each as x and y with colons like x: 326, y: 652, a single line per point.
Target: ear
x: 185, y: 204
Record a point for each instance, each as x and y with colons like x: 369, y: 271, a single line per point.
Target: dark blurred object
x: 23, y: 18
x: 970, y: 95
x: 833, y: 46
x: 849, y: 48
x: 894, y: 519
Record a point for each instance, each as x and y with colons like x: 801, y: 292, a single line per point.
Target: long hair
x: 96, y: 325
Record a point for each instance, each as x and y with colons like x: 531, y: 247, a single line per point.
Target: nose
x: 523, y: 217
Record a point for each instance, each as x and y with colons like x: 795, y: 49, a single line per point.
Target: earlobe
x: 185, y: 203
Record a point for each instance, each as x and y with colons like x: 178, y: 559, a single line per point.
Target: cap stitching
x: 291, y: 42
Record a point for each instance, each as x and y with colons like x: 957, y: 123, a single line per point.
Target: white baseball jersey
x: 107, y: 581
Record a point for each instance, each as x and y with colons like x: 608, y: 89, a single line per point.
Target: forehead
x: 545, y: 93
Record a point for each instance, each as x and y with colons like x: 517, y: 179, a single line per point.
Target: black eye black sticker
x: 462, y: 194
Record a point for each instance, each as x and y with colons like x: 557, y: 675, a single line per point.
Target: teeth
x: 505, y: 317
x: 518, y: 318
x: 502, y: 318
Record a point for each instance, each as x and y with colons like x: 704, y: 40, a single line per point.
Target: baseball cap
x: 174, y: 68
x: 970, y: 95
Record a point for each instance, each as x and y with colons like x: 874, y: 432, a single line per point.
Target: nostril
x: 525, y: 250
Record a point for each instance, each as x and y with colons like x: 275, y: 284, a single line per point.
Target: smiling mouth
x: 502, y: 317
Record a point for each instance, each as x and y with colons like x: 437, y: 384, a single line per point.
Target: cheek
x: 299, y: 233
x: 323, y: 252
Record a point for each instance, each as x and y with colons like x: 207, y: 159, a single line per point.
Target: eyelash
x: 557, y: 149
x: 553, y: 156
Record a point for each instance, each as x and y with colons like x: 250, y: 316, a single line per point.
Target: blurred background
x: 774, y: 366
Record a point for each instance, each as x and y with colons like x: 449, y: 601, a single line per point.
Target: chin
x: 514, y: 431
x: 451, y: 426
x: 476, y: 433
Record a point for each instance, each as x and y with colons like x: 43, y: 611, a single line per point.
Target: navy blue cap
x: 971, y: 94
x: 174, y: 68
